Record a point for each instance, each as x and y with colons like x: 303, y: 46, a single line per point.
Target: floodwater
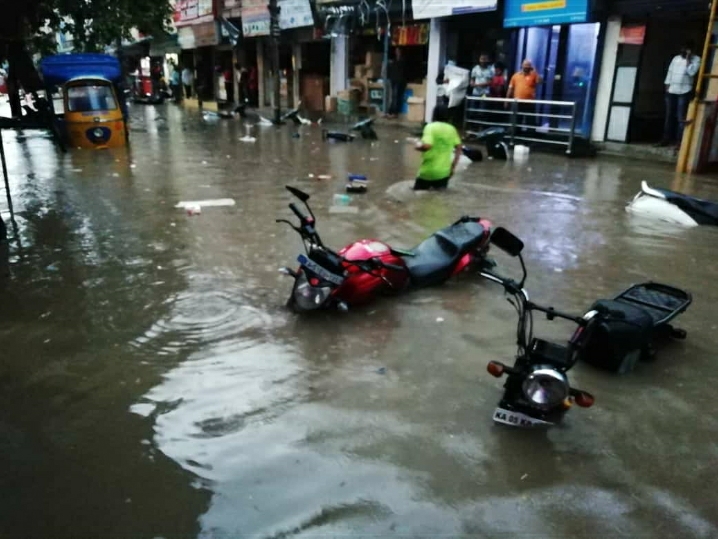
x: 152, y: 384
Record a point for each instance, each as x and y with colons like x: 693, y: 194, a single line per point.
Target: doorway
x: 565, y: 57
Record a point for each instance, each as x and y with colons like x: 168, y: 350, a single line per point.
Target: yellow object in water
x: 93, y: 116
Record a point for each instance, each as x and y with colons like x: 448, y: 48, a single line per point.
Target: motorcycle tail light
x: 495, y: 369
x: 584, y: 400
x: 314, y: 281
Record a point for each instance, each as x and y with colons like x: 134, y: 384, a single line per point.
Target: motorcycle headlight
x: 310, y: 297
x: 546, y: 387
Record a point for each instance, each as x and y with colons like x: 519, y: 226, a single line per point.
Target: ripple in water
x: 203, y: 318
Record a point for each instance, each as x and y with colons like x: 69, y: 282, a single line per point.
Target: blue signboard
x: 519, y: 13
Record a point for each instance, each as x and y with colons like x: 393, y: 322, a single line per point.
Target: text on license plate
x: 319, y: 270
x: 516, y: 419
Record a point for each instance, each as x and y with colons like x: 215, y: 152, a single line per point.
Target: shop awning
x: 644, y: 7
x: 167, y: 44
x: 430, y: 9
x: 234, y: 33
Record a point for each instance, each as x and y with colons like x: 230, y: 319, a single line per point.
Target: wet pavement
x: 152, y: 384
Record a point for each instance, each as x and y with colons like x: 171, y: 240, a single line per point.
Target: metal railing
x: 554, y: 121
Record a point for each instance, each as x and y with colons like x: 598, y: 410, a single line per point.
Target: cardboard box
x: 330, y: 103
x: 373, y: 61
x: 417, y: 107
x: 360, y: 71
x: 419, y: 90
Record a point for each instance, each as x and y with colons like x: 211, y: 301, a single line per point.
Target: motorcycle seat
x: 434, y: 259
x: 463, y: 236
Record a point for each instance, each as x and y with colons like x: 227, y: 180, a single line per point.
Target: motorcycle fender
x: 464, y: 264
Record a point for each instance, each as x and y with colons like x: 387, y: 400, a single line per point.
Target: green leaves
x: 94, y: 24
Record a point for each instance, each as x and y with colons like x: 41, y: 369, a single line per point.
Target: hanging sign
x: 255, y: 18
x: 632, y: 34
x: 411, y: 34
x: 295, y: 14
x: 429, y: 9
x: 193, y: 12
x: 519, y: 13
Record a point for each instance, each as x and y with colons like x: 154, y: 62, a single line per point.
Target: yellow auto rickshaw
x: 94, y: 113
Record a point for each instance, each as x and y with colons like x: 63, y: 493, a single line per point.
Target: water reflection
x: 151, y: 371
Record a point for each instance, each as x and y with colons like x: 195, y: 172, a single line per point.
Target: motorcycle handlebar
x: 297, y: 212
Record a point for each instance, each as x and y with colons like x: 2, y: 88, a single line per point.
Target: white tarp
x: 455, y: 88
x: 429, y: 9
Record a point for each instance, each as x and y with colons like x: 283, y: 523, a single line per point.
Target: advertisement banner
x: 255, y: 18
x: 295, y: 14
x: 518, y: 13
x: 193, y: 12
x: 429, y: 9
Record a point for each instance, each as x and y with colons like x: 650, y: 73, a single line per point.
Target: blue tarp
x: 60, y: 68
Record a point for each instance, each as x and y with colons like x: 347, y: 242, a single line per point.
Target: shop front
x: 563, y: 42
x: 645, y: 40
x: 458, y: 31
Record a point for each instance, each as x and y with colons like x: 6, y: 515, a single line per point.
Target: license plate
x: 319, y: 270
x: 517, y: 419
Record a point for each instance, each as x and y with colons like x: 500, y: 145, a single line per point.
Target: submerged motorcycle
x: 613, y: 334
x: 367, y: 268
x: 673, y: 207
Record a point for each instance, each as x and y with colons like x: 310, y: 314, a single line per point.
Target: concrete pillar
x: 436, y: 60
x: 605, y: 79
x: 689, y: 156
x: 296, y: 68
x: 339, y: 61
x: 261, y: 75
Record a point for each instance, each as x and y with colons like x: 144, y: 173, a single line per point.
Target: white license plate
x: 517, y: 419
x: 319, y: 270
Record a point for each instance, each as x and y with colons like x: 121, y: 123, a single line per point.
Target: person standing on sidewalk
x: 480, y: 79
x: 523, y: 86
x: 679, y: 92
x: 397, y: 79
x: 187, y: 81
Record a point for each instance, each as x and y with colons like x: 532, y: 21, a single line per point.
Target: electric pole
x: 274, y: 32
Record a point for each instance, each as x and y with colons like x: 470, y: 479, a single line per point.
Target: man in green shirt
x: 441, y: 147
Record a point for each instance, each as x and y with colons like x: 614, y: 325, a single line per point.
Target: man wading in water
x: 441, y: 147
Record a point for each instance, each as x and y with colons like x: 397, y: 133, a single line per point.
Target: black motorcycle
x: 537, y: 391
x: 613, y: 335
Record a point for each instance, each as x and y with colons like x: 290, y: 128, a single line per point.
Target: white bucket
x: 521, y: 152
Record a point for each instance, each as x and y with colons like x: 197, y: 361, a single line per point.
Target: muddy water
x: 153, y: 385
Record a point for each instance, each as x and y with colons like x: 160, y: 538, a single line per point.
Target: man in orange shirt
x: 523, y: 86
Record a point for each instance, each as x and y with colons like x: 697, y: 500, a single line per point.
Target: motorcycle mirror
x: 301, y: 195
x: 506, y: 241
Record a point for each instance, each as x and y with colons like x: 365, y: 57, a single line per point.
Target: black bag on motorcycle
x: 617, y: 344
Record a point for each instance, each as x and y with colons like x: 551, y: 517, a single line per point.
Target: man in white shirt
x: 679, y: 91
x: 481, y: 76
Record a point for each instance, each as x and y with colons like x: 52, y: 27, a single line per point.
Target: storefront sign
x: 232, y: 9
x: 206, y: 34
x: 412, y: 34
x: 544, y: 12
x: 193, y: 12
x: 255, y: 18
x: 185, y: 38
x: 428, y: 9
x: 295, y: 14
x: 632, y: 35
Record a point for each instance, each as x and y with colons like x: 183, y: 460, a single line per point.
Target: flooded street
x: 153, y: 385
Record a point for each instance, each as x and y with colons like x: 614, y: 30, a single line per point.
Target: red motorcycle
x: 367, y: 268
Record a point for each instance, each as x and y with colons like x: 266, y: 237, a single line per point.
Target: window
x: 90, y: 98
